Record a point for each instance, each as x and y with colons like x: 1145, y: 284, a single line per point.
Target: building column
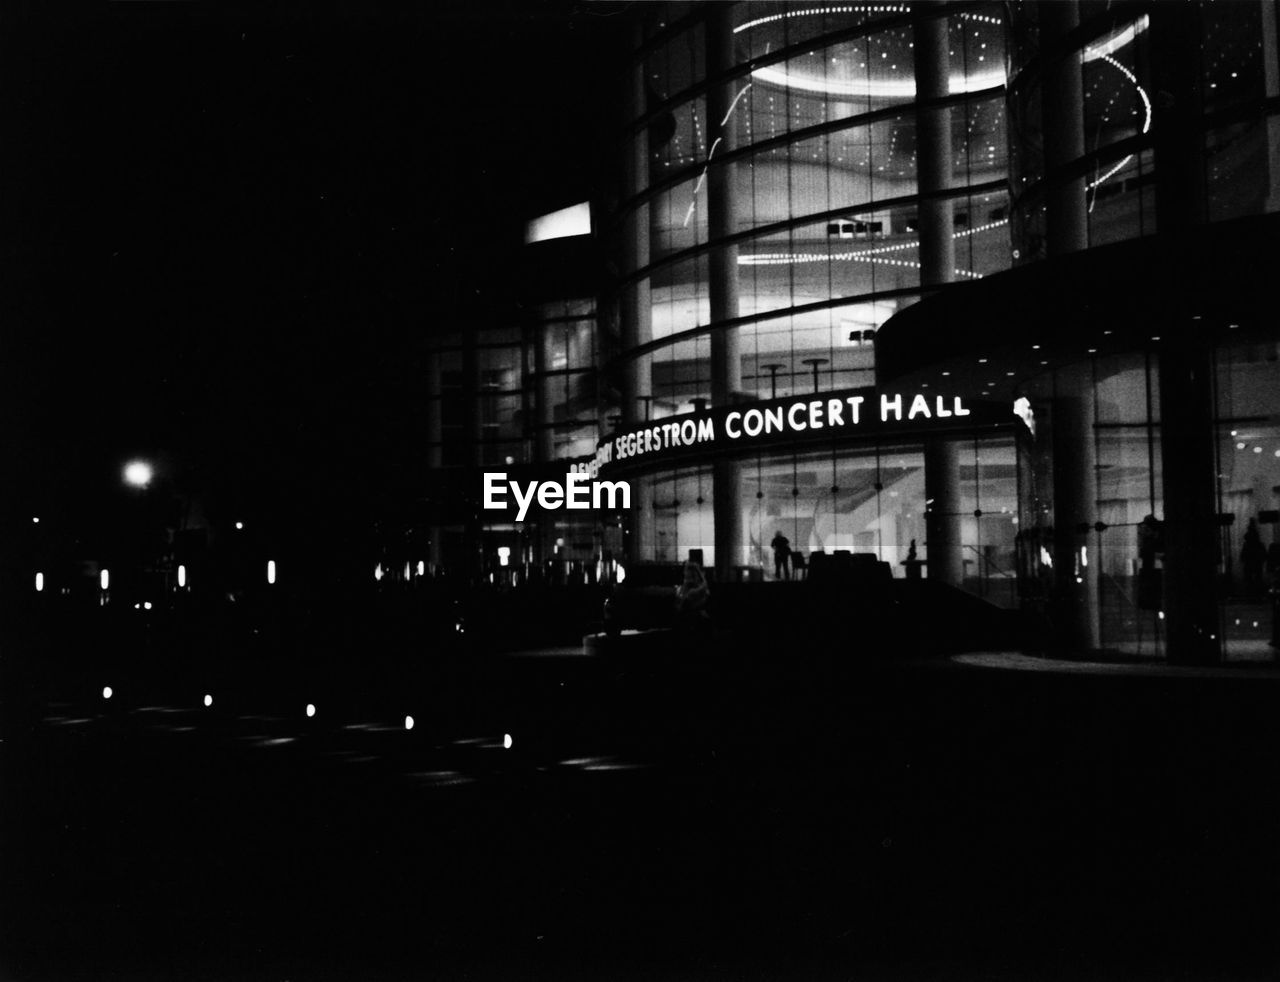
x: 635, y: 309
x: 933, y: 145
x: 1178, y: 116
x: 722, y: 221
x: 722, y: 208
x: 942, y: 511
x: 726, y: 513
x: 543, y: 437
x: 1191, y: 534
x: 1075, y: 511
x: 1271, y: 80
x: 1062, y: 122
x: 1185, y: 361
x: 435, y: 422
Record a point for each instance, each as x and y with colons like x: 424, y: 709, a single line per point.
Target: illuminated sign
x: 1022, y: 409
x: 853, y: 412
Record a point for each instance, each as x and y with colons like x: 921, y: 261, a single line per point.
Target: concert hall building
x: 982, y: 286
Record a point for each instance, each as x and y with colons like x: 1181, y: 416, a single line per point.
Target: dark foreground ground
x: 826, y: 816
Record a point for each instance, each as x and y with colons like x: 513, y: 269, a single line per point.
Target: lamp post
x: 773, y: 378
x: 139, y: 475
x: 815, y: 362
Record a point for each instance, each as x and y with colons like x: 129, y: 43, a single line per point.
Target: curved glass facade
x: 778, y: 161
x: 1148, y: 473
x: 1086, y: 106
x: 816, y: 158
x: 795, y: 182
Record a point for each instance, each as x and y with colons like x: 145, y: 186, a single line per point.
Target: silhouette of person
x: 912, y: 562
x: 1253, y: 557
x: 1150, y: 544
x: 781, y: 557
x: 691, y: 598
x: 1149, y: 536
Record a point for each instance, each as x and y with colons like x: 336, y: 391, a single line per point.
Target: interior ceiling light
x: 898, y: 88
x: 869, y: 88
x: 873, y: 255
x: 1104, y: 52
x: 1117, y: 41
x: 862, y: 8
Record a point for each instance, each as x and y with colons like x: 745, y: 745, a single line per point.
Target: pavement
x: 1017, y: 661
x: 548, y: 820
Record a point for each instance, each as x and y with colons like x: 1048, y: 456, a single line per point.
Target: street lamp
x: 138, y: 473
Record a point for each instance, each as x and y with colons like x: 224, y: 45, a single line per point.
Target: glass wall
x: 566, y: 379
x: 818, y: 149
x: 477, y: 399
x: 1125, y: 540
x: 782, y: 212
x: 989, y: 519
x: 1248, y: 439
x: 1239, y: 73
x: 500, y: 397
x: 1116, y: 434
x: 854, y: 499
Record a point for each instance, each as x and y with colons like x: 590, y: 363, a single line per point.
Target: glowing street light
x: 182, y: 576
x: 271, y: 571
x: 138, y: 473
x: 39, y: 582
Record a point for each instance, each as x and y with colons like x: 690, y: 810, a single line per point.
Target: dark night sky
x: 225, y: 230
